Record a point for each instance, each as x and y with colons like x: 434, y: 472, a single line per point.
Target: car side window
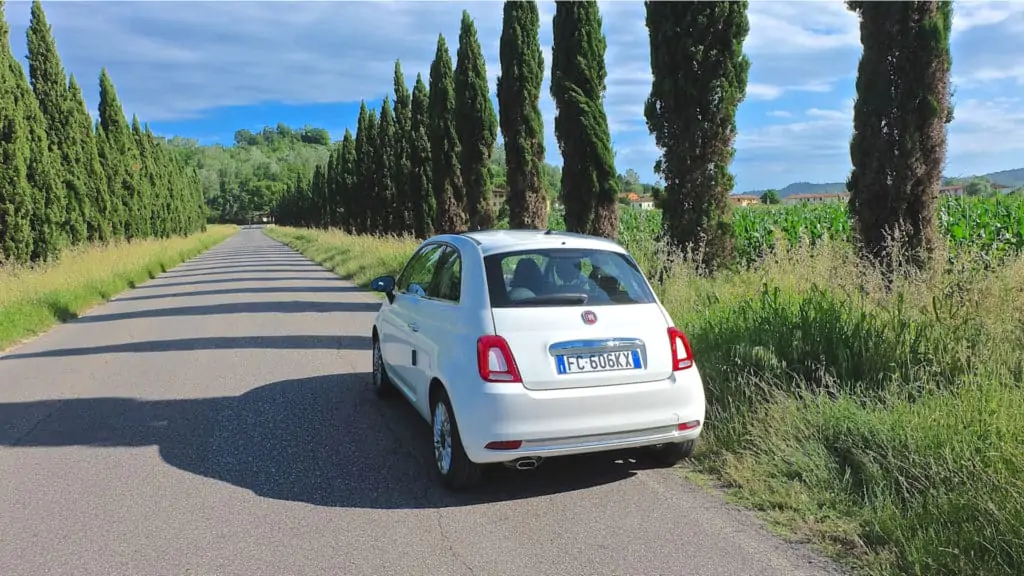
x: 449, y: 275
x: 417, y: 276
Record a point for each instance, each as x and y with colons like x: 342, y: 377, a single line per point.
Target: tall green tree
x: 898, y: 147
x: 589, y: 184
x: 421, y: 194
x: 346, y: 179
x: 101, y: 211
x: 699, y: 79
x: 383, y: 169
x: 449, y: 193
x: 116, y: 156
x: 18, y: 199
x: 155, y: 208
x: 522, y: 128
x: 49, y: 84
x: 476, y: 124
x: 401, y: 217
x: 368, y: 184
x: 50, y: 212
x: 361, y: 171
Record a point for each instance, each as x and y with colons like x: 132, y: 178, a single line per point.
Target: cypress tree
x: 318, y: 195
x: 50, y: 203
x: 165, y: 183
x: 898, y: 147
x: 347, y: 179
x: 90, y: 171
x: 116, y: 158
x: 366, y: 182
x: 421, y: 194
x: 699, y: 79
x: 49, y: 84
x: 333, y: 186
x: 402, y: 214
x: 17, y: 197
x: 383, y: 169
x: 589, y: 184
x: 444, y: 145
x: 522, y: 128
x: 362, y: 167
x: 476, y: 124
x: 152, y: 209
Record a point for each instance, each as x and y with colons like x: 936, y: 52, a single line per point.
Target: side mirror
x: 385, y: 284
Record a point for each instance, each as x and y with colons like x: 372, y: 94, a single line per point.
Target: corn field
x: 992, y: 227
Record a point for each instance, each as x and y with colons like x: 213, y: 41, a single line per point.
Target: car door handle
x: 414, y: 327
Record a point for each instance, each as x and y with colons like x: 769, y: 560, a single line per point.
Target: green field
x: 991, y: 228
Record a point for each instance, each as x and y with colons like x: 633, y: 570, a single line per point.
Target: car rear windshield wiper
x: 552, y: 300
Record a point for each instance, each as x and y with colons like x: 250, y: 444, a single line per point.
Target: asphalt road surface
x: 219, y: 420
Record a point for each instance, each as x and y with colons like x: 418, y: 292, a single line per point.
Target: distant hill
x: 1014, y: 178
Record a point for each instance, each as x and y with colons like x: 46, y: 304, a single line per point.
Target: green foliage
x: 522, y: 129
x: 49, y: 84
x: 346, y: 179
x: 401, y: 217
x: 50, y: 213
x: 898, y: 147
x: 589, y: 185
x: 421, y: 194
x: 382, y: 199
x: 449, y: 192
x: 18, y: 199
x: 700, y: 78
x: 771, y: 197
x: 476, y: 124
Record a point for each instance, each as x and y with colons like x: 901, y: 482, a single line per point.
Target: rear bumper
x: 553, y: 423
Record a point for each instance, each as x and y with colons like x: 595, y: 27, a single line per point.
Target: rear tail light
x: 494, y: 360
x: 682, y: 354
x: 504, y: 445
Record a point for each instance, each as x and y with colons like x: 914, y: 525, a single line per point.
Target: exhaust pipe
x: 527, y: 463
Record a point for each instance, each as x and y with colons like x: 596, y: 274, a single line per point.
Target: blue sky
x: 206, y: 69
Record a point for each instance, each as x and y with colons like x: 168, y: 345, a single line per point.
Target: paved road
x: 219, y: 421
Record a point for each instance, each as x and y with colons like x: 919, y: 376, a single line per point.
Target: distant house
x: 642, y: 203
x: 815, y: 198
x: 744, y: 199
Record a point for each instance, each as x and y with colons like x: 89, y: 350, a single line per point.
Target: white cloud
x: 174, y: 60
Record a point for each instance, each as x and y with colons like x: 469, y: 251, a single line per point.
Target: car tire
x: 668, y: 455
x: 456, y: 470
x: 382, y: 384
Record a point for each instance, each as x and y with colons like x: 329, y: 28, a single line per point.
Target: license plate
x: 600, y: 362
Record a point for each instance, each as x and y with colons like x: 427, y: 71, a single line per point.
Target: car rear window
x: 564, y: 277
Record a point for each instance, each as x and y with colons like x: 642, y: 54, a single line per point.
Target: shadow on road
x: 253, y: 290
x: 258, y: 280
x: 248, y: 269
x: 326, y: 441
x: 283, y: 307
x: 289, y: 342
x: 235, y: 265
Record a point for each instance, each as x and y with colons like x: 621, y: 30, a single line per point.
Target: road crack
x: 450, y: 545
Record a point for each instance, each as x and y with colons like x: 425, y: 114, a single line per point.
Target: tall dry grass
x: 881, y: 419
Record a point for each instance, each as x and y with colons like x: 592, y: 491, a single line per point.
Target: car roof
x: 498, y: 241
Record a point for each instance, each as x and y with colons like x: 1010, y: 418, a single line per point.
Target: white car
x: 520, y: 345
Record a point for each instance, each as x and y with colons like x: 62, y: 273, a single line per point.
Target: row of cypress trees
x: 66, y: 181
x: 422, y: 165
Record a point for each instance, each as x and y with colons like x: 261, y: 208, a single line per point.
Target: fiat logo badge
x: 589, y: 317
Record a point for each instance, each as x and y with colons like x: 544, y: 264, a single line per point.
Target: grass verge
x: 882, y: 424
x: 34, y: 299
